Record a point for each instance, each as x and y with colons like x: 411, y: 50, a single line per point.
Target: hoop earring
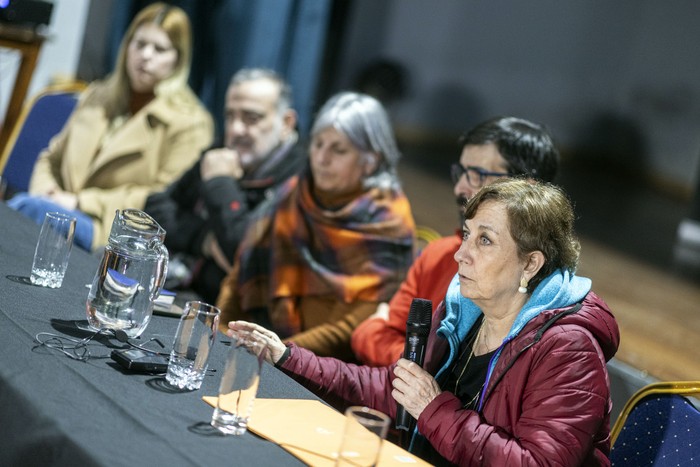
x: 523, y: 285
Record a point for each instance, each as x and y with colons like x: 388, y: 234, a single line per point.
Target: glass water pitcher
x: 130, y: 276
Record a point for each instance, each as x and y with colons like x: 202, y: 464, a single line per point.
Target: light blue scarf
x: 560, y: 289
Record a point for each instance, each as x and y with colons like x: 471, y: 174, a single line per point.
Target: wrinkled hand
x: 244, y: 331
x: 414, y: 388
x: 222, y: 162
x: 63, y: 198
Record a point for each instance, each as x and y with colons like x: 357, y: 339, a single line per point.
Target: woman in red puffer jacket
x: 515, y: 369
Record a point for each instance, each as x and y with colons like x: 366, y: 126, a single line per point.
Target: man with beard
x: 205, y: 213
x: 499, y: 147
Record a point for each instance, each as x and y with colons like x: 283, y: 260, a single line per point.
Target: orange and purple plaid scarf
x: 295, y: 248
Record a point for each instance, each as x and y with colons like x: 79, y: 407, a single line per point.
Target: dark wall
x: 613, y: 80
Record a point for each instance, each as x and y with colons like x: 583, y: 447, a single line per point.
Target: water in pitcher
x: 129, y: 277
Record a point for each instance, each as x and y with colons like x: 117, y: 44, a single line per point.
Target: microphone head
x: 420, y: 313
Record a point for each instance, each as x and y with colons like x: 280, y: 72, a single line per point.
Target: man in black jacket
x: 205, y: 212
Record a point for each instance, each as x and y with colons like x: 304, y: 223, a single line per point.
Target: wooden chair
x: 659, y: 426
x: 41, y: 118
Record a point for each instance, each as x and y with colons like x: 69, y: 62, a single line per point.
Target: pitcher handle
x: 162, y: 272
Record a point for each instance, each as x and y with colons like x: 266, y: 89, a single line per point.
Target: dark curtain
x: 287, y: 36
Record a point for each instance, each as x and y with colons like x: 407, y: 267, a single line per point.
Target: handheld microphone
x: 417, y: 330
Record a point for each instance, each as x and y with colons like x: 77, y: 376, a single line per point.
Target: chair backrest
x: 41, y: 119
x: 425, y: 235
x: 658, y: 426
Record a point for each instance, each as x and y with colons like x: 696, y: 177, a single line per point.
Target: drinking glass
x: 53, y: 250
x: 239, y: 386
x: 195, y: 336
x: 365, y: 429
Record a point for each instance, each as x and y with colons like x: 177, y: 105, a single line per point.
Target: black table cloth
x: 58, y: 411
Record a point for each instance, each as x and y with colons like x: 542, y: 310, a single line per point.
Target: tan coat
x: 118, y: 169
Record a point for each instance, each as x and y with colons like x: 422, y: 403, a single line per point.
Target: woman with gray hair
x: 363, y: 120
x: 336, y: 240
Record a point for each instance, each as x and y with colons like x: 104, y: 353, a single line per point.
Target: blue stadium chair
x: 659, y: 426
x: 41, y: 119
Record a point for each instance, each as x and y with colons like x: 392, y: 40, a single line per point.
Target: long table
x: 58, y: 411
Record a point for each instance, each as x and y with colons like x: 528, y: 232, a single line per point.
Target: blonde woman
x: 132, y: 133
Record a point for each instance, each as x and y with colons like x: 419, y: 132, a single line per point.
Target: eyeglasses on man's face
x: 476, y: 176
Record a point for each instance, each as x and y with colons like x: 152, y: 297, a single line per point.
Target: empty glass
x: 365, y: 429
x: 239, y: 386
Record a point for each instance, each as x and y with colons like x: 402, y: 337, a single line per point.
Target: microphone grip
x: 415, y: 352
x: 403, y: 418
x: 417, y: 330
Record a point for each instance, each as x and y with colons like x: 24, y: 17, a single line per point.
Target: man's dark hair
x: 526, y: 146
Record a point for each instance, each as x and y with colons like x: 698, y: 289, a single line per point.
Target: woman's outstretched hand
x: 244, y: 330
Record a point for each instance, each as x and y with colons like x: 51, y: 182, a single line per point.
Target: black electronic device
x: 31, y: 13
x: 140, y: 361
x: 417, y: 329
